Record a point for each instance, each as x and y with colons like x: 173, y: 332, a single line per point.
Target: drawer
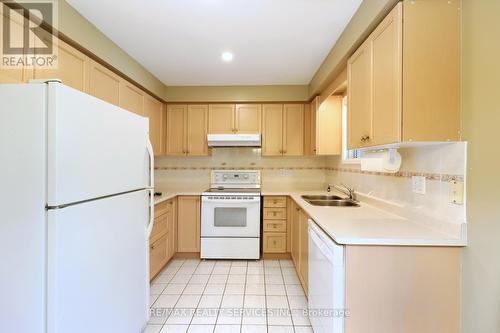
x: 274, y: 242
x: 275, y: 202
x: 162, y: 208
x: 275, y: 225
x: 274, y: 213
x: 158, y: 255
x: 160, y: 227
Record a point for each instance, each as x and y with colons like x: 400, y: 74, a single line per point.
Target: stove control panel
x: 236, y: 178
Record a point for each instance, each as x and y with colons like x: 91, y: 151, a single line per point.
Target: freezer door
x: 94, y: 148
x: 98, y: 276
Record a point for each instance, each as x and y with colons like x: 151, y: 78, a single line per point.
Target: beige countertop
x: 373, y: 223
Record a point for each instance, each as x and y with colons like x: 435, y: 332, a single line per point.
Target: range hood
x: 233, y: 140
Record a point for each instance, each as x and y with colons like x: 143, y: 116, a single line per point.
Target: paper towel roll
x: 381, y: 161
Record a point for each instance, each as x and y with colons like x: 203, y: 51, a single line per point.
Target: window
x: 349, y: 156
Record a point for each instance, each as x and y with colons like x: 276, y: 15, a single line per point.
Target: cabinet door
x: 104, y: 84
x: 155, y: 112
x: 197, y: 122
x: 431, y: 70
x: 18, y: 74
x: 72, y: 67
x: 359, y: 108
x: 295, y: 240
x: 158, y: 255
x: 131, y: 98
x: 221, y: 119
x: 293, y: 136
x: 188, y: 224
x: 314, y: 123
x: 329, y: 126
x: 387, y: 77
x: 307, y: 130
x: 304, y: 248
x: 272, y: 129
x: 172, y: 228
x: 176, y: 129
x: 248, y: 118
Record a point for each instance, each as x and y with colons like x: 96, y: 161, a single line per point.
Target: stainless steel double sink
x: 329, y: 200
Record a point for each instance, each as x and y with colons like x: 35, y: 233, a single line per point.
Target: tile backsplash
x: 438, y: 163
x: 280, y: 173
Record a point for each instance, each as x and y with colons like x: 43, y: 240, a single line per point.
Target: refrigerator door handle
x: 149, y: 228
x: 151, y: 223
x: 149, y: 146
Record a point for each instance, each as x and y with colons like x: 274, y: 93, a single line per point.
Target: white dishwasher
x: 326, y: 301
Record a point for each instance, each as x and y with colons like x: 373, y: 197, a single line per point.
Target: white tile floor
x: 228, y: 296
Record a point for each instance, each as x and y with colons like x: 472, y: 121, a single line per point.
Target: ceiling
x: 274, y: 42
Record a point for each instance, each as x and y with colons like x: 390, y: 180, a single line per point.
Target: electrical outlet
x: 418, y: 184
x: 457, y: 192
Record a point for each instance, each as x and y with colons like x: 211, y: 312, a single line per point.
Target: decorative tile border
x: 403, y: 174
x: 400, y: 174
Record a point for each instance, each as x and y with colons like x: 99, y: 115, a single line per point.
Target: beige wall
x: 291, y: 93
x: 368, y: 15
x: 481, y: 119
x: 76, y: 27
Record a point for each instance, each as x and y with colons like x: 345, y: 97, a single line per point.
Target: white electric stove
x: 230, y: 215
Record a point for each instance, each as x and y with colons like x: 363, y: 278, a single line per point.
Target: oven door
x: 223, y: 216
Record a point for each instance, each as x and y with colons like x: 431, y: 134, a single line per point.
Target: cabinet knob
x: 365, y: 138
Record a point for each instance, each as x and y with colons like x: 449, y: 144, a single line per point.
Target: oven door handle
x: 229, y: 201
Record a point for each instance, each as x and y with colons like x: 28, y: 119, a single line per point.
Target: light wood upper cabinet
x: 272, y: 129
x: 104, y: 84
x: 176, y: 129
x: 154, y: 110
x: 221, y: 119
x: 187, y: 129
x: 131, y: 98
x: 231, y: 119
x: 386, y: 81
x: 431, y: 70
x: 72, y: 67
x: 283, y: 129
x: 188, y: 224
x: 329, y: 126
x: 18, y: 74
x: 197, y: 122
x: 404, y: 81
x: 293, y: 129
x: 248, y: 118
x: 359, y: 111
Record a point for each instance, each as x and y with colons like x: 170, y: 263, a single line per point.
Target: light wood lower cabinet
x: 300, y: 243
x: 402, y: 289
x: 188, y: 224
x: 162, y: 239
x: 275, y: 236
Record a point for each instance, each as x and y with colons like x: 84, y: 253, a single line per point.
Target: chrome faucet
x: 343, y: 188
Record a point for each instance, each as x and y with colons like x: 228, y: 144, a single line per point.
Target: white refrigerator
x: 76, y: 212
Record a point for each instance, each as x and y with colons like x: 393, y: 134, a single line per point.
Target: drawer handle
x: 274, y: 242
